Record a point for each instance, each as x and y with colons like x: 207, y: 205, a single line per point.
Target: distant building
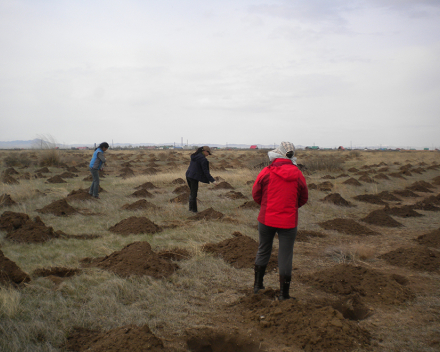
x: 254, y: 147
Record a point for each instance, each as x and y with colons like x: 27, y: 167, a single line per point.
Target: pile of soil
x: 406, y: 194
x: 430, y: 239
x: 347, y: 226
x: 43, y: 170
x: 223, y: 185
x: 327, y: 177
x: 366, y: 179
x: 207, y: 214
x: 139, y: 205
x: 239, y: 251
x: 68, y: 175
x: 149, y: 171
x: 55, y: 179
x: 417, y: 258
x: 125, y: 338
x: 381, y: 177
x: 381, y: 218
x: 425, y: 204
x: 308, y: 325
x: 58, y: 208
x: 342, y: 175
x: 176, y: 254
x: 353, y: 169
x: 306, y: 236
x: 370, y: 198
x: 404, y: 212
x: 436, y: 181
x: 126, y: 172
x: 80, y: 195
x: 142, y: 193
x: 251, y: 204
x: 56, y: 274
x: 422, y: 184
x: 72, y: 169
x: 33, y: 231
x: 336, y: 199
x: 11, y: 221
x: 181, y: 198
x: 234, y: 195
x: 385, y: 195
x: 326, y: 186
x: 178, y: 181
x: 135, y: 225
x: 181, y: 189
x: 419, y: 188
x: 352, y: 182
x: 10, y: 273
x: 9, y: 180
x: 10, y: 171
x: 146, y: 185
x: 397, y: 175
x: 372, y: 285
x: 135, y: 259
x: 6, y: 201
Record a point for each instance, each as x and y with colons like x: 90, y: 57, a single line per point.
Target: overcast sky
x: 329, y: 73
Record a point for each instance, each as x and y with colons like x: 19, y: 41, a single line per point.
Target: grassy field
x: 41, y: 315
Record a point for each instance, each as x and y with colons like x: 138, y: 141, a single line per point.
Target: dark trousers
x: 194, y: 188
x: 286, y: 239
x: 94, y: 188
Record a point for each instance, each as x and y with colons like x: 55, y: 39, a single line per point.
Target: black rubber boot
x: 193, y: 206
x: 284, y: 287
x: 260, y: 270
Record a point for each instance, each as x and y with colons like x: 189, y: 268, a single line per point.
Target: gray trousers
x: 94, y: 188
x: 286, y: 239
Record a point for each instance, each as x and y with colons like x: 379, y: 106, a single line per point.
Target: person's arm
x: 205, y: 169
x: 257, y: 190
x: 303, y: 192
x: 102, y: 159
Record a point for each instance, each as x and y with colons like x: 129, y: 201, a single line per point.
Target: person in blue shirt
x: 96, y: 164
x: 198, y: 171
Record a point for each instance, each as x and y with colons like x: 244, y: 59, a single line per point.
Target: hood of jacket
x: 282, y: 168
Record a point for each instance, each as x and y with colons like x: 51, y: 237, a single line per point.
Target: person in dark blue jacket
x: 96, y: 164
x: 198, y: 171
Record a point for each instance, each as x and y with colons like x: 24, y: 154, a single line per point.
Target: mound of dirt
x: 370, y: 198
x: 425, y: 204
x: 381, y: 218
x: 249, y: 205
x: 135, y: 259
x: 80, y: 195
x: 336, y: 199
x: 55, y: 179
x: 58, y: 208
x: 142, y: 193
x: 125, y: 338
x: 6, y: 201
x: 404, y: 212
x: 306, y: 236
x: 381, y: 176
x: 10, y: 171
x: 68, y: 175
x: 10, y: 273
x: 352, y: 182
x: 327, y: 177
x: 149, y: 171
x: 146, y: 185
x: 347, y: 226
x: 223, y: 185
x: 406, y: 194
x: 72, y: 169
x: 366, y: 179
x: 135, y: 225
x: 176, y: 254
x: 56, y: 274
x: 342, y: 175
x: 422, y: 184
x: 11, y: 221
x: 326, y: 186
x: 416, y: 258
x: 308, y: 325
x: 234, y: 195
x: 9, y: 180
x: 43, y: 170
x: 372, y: 285
x: 417, y: 187
x: 126, y: 172
x: 207, y: 214
x: 397, y: 175
x: 181, y: 189
x: 239, y: 251
x: 385, y: 195
x: 353, y: 169
x: 181, y: 199
x: 33, y: 231
x: 139, y: 205
x: 430, y: 239
x: 178, y: 181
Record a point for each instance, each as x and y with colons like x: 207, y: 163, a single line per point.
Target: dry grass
x: 38, y: 316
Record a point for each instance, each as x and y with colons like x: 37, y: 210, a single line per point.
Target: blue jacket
x: 199, y: 169
x: 97, y: 160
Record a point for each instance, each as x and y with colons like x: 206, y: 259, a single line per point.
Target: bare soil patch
x: 251, y: 204
x: 146, y: 185
x: 135, y: 225
x: 306, y: 235
x: 233, y: 195
x: 239, y: 251
x: 223, y: 185
x: 142, y: 193
x: 55, y: 179
x: 388, y: 196
x: 58, y: 208
x: 373, y: 286
x: 135, y: 259
x: 33, y: 231
x: 352, y: 182
x: 181, y: 189
x: 207, y: 214
x: 419, y: 188
x: 80, y: 195
x: 178, y: 181
x: 139, y: 205
x: 10, y: 221
x: 381, y: 218
x: 10, y: 273
x: 430, y: 239
x: 416, y: 258
x: 406, y: 193
x: 181, y: 198
x: 347, y: 226
x: 336, y: 198
x: 405, y: 211
x: 370, y: 198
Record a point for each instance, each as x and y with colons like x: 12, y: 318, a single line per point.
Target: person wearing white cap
x: 280, y: 189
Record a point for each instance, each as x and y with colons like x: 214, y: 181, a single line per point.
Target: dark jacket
x: 199, y: 169
x: 280, y: 189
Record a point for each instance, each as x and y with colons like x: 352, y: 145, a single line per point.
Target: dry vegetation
x: 207, y: 298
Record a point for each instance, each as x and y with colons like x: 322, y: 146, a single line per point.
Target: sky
x: 315, y: 72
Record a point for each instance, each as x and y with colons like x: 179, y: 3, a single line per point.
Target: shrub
x: 19, y: 159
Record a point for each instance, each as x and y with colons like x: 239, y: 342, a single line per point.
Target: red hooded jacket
x: 280, y: 189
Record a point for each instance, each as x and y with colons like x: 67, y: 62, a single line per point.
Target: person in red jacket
x: 280, y: 189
